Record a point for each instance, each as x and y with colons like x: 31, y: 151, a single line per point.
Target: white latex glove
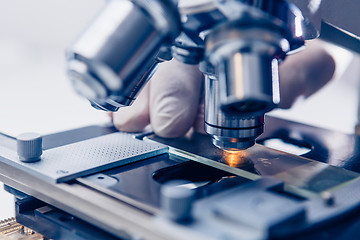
x: 172, y: 101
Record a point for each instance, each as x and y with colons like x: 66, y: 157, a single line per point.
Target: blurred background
x: 36, y: 95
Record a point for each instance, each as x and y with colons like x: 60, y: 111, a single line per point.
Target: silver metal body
x: 115, y: 57
x: 68, y: 162
x: 239, y: 43
x: 240, y: 131
x: 29, y: 147
x: 124, y: 214
x: 244, y: 52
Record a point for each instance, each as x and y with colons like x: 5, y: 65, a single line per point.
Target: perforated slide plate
x: 90, y: 156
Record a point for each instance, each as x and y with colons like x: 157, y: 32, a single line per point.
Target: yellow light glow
x: 235, y: 158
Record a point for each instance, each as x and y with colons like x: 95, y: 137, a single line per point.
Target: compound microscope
x: 98, y: 183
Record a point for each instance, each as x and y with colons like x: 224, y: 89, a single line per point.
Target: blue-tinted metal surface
x: 70, y: 161
x: 142, y: 180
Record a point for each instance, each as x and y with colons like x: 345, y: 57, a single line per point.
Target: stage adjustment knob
x: 177, y: 201
x: 29, y: 147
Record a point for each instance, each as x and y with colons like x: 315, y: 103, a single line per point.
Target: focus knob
x: 177, y: 201
x: 29, y: 147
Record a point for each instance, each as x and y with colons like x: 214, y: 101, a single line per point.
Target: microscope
x: 95, y: 182
x: 238, y: 45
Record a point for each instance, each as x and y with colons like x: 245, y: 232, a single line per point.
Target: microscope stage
x: 115, y: 184
x: 74, y: 160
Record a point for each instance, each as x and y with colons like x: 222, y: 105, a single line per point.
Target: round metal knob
x: 177, y: 201
x: 29, y: 147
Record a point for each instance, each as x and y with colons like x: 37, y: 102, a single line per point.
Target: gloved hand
x: 172, y: 102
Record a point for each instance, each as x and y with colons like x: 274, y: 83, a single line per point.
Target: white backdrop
x: 35, y: 94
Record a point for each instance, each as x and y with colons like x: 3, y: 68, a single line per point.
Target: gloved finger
x: 303, y: 73
x: 135, y: 117
x: 200, y: 117
x: 174, y: 98
x: 110, y: 114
